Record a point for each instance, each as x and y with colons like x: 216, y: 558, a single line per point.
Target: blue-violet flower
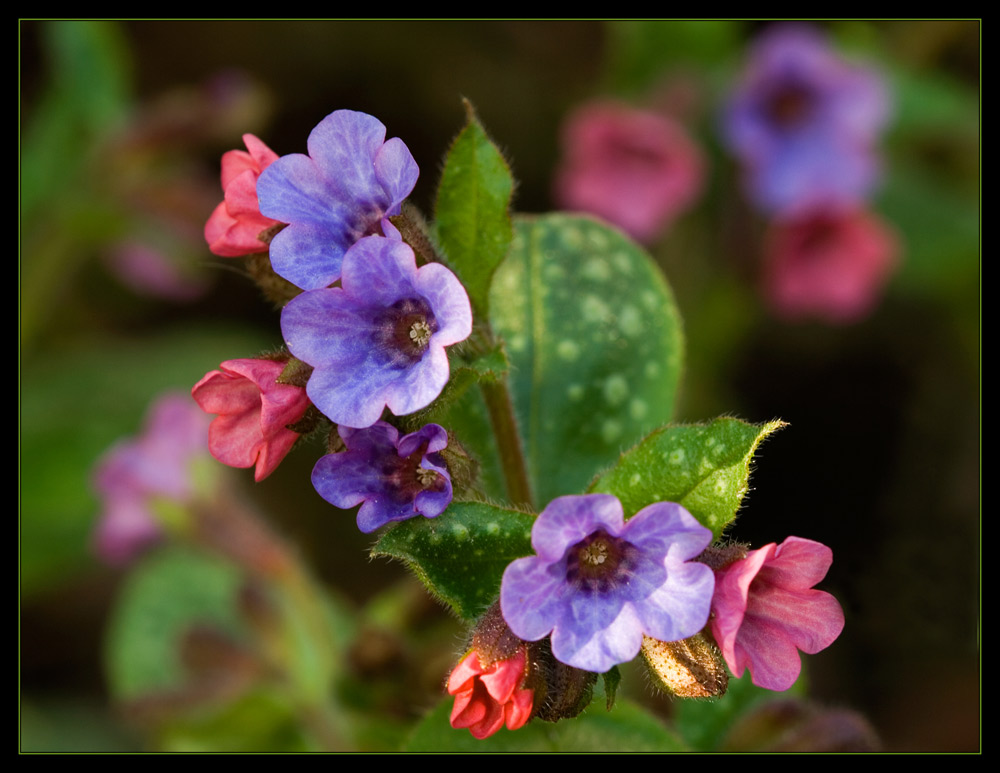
x: 379, y: 339
x: 351, y: 180
x: 597, y: 583
x: 804, y: 122
x: 395, y: 478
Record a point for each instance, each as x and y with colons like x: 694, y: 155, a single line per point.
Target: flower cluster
x: 375, y: 341
x: 366, y: 329
x: 805, y: 126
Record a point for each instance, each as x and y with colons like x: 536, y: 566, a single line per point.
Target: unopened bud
x: 566, y: 691
x: 690, y: 668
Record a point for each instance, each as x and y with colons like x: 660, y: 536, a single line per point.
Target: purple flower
x: 379, y: 339
x: 804, y: 122
x: 765, y: 610
x: 396, y: 478
x: 597, y: 583
x: 351, y: 180
x: 135, y: 472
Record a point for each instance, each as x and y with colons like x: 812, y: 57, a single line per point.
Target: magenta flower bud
x: 636, y: 169
x: 236, y: 225
x: 254, y: 411
x: 765, y: 610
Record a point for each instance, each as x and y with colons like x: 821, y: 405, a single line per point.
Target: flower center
x: 789, y: 106
x: 427, y: 478
x: 420, y: 333
x: 407, y: 478
x: 403, y: 331
x: 600, y: 562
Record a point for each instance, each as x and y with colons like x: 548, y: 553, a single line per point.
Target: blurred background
x: 122, y: 127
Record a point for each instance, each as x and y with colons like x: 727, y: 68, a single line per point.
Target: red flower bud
x: 488, y: 698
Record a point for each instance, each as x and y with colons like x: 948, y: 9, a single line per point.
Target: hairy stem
x: 501, y: 411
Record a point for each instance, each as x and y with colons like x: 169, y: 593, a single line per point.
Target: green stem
x: 501, y: 411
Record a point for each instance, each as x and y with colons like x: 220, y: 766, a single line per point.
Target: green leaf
x: 170, y: 592
x: 704, y: 467
x: 595, y: 346
x: 612, y: 678
x: 472, y: 210
x: 460, y: 555
x: 628, y: 728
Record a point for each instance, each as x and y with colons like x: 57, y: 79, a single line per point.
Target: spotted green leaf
x: 460, y: 555
x: 595, y: 346
x: 472, y: 210
x: 704, y: 467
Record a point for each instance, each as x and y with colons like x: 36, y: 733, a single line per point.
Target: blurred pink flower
x: 149, y: 271
x: 254, y: 411
x: 134, y: 472
x: 636, y: 169
x: 830, y: 265
x: 236, y: 224
x: 765, y: 609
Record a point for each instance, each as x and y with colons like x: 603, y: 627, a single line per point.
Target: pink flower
x: 488, y: 698
x: 235, y: 226
x: 828, y: 264
x: 254, y: 413
x: 636, y: 169
x: 764, y: 610
x: 136, y: 472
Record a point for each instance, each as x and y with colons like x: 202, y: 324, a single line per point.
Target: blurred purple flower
x: 764, y: 610
x: 830, y: 265
x: 395, y: 478
x: 339, y: 193
x: 134, y: 472
x: 636, y: 169
x: 804, y: 123
x: 597, y: 583
x: 379, y: 339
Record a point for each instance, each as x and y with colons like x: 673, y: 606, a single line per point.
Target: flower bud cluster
x: 365, y: 328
